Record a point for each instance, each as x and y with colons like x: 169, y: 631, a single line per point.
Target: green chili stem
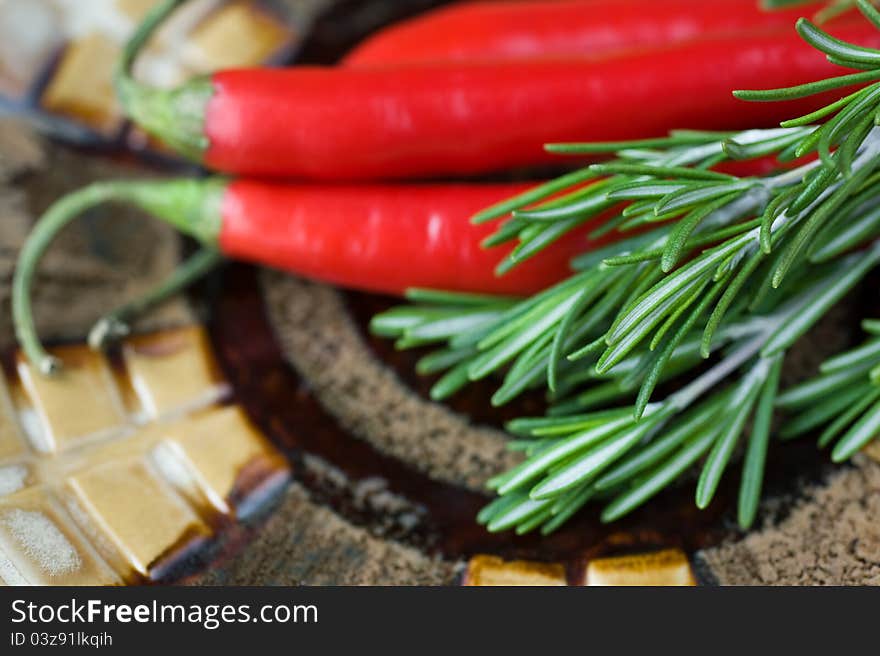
x: 115, y: 324
x: 192, y: 206
x: 176, y: 116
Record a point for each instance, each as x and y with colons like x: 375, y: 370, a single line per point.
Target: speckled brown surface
x: 304, y: 543
x: 832, y: 537
x: 320, y: 340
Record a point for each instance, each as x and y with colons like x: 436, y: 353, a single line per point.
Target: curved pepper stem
x: 115, y: 324
x: 192, y: 206
x: 175, y: 116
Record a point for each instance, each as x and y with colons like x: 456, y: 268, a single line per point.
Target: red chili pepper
x: 472, y: 118
x: 383, y: 238
x: 470, y: 31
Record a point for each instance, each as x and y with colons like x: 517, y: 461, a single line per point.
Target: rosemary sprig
x: 844, y: 399
x: 701, y: 264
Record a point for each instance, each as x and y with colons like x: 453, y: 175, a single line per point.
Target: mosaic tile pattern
x: 669, y: 567
x: 119, y: 468
x: 57, y: 56
x: 493, y: 571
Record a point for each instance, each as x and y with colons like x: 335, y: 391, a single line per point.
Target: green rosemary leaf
x: 674, y: 316
x: 645, y: 189
x: 663, y: 356
x: 553, y: 426
x: 871, y: 326
x: 442, y: 360
x: 772, y: 212
x: 507, y: 231
x: 566, y: 507
x: 445, y: 327
x: 397, y: 321
x: 634, y: 244
x: 534, y: 521
x: 457, y: 299
x: 727, y: 299
x: 809, y: 143
x: 809, y: 89
x: 531, y: 469
x: 451, y: 382
x: 556, y: 354
x: 742, y: 404
x: 687, y: 428
x: 827, y: 110
x: 548, y: 235
x: 851, y: 359
x: 588, y: 465
x: 681, y: 172
x: 589, y: 201
x: 814, y: 391
x: 802, y: 236
x: 530, y: 377
x: 498, y: 506
x: 738, y: 151
x: 855, y: 113
x: 622, y: 343
x: 817, y: 182
x: 698, y: 193
x: 756, y: 452
x: 680, y: 138
x: 850, y: 272
x: 517, y: 514
x: 673, y: 284
x: 544, y: 317
x: 854, y: 233
x: 634, y: 258
x: 853, y: 141
x: 639, y: 207
x: 830, y: 45
x: 846, y: 419
x: 659, y: 478
x: 678, y: 238
x: 536, y: 352
x: 868, y: 11
x: 521, y: 315
x: 823, y: 411
x: 865, y: 430
x: 594, y: 397
x: 533, y: 195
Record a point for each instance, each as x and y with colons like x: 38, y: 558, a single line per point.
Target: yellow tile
x: 222, y: 451
x: 493, y: 571
x: 11, y: 438
x: 662, y: 568
x: 172, y: 371
x: 78, y: 403
x: 40, y: 546
x: 238, y: 34
x: 142, y: 516
x: 82, y: 86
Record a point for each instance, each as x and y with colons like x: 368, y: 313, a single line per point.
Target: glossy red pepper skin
x: 460, y: 119
x: 383, y: 238
x: 471, y: 31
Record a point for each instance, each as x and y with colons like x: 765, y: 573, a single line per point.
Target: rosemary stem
x: 687, y: 395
